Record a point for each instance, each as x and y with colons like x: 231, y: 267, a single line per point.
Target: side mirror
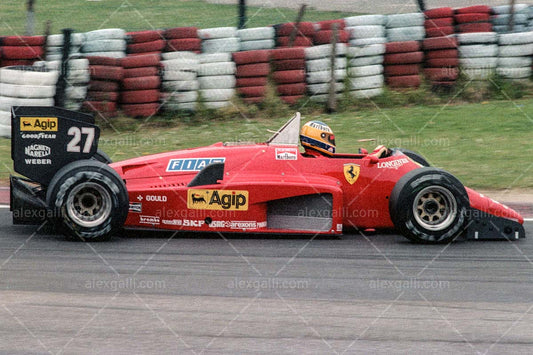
x: 373, y: 159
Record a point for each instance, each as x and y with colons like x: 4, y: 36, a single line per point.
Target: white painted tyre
x: 5, y: 116
x: 216, y: 94
x: 7, y: 102
x: 216, y: 105
x: 180, y: 64
x: 514, y: 73
x: 364, y: 61
x: 105, y: 45
x: 368, y: 70
x: 214, y: 58
x: 481, y: 62
x: 503, y: 20
x: 316, y: 89
x: 516, y: 38
x: 517, y: 50
x: 78, y: 76
x: 219, y: 68
x: 221, y: 45
x: 324, y: 50
x: 401, y: 34
x: 76, y: 92
x: 325, y: 76
x: 181, y: 97
x: 73, y: 105
x: 27, y: 75
x: 515, y: 62
x: 478, y: 50
x: 478, y: 73
x: 186, y: 106
x: 367, y: 82
x: 217, y: 32
x: 367, y: 41
x: 179, y: 55
x: 405, y: 20
x: 365, y: 51
x: 257, y: 45
x: 184, y: 85
x: 255, y: 34
x: 107, y: 33
x: 477, y: 38
x: 217, y: 82
x: 76, y: 39
x: 5, y: 131
x: 366, y: 93
x: 506, y: 9
x: 116, y: 55
x: 179, y: 75
x: 370, y: 31
x: 27, y: 91
x: 365, y: 20
x: 325, y: 64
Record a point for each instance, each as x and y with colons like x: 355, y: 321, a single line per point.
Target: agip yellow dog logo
x: 226, y: 200
x: 39, y: 124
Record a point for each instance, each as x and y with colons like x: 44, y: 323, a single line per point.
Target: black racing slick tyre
x: 89, y: 201
x: 429, y: 205
x: 101, y: 156
x: 414, y: 156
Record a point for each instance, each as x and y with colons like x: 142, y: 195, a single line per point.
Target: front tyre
x: 89, y: 200
x: 429, y: 205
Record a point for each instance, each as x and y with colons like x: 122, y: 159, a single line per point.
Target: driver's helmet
x: 318, y: 136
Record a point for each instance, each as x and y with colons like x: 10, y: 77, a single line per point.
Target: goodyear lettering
x: 192, y: 164
x: 43, y: 124
x: 228, y: 200
x: 38, y: 136
x: 395, y: 164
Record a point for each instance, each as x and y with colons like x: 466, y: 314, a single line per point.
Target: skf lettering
x: 228, y: 200
x: 41, y: 124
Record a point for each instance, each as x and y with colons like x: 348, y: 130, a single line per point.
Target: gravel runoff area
x: 370, y: 6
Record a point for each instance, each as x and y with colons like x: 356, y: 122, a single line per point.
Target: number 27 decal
x: 74, y: 145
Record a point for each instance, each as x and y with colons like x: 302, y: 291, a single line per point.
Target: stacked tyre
x: 402, y: 64
x: 515, y: 55
x: 219, y: 40
x: 366, y: 30
x: 439, y: 22
x: 319, y: 73
x: 530, y: 24
x: 180, y: 84
x: 405, y: 27
x: 288, y: 65
x: 140, y: 89
x: 502, y: 16
x: 304, y: 31
x: 216, y: 77
x: 109, y: 42
x: 55, y: 43
x: 104, y: 87
x: 365, y: 69
x: 145, y: 42
x: 21, y: 50
x: 24, y: 86
x: 256, y: 38
x: 325, y: 30
x: 182, y: 39
x: 253, y: 68
x: 441, y: 61
x: 478, y: 54
x: 473, y: 19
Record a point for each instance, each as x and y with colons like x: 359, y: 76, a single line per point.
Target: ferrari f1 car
x: 269, y: 187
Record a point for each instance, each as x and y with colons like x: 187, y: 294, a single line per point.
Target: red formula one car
x: 269, y: 187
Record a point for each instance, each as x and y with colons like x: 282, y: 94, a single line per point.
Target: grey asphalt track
x: 219, y: 294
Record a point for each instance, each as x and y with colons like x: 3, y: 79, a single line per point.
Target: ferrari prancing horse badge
x: 351, y: 172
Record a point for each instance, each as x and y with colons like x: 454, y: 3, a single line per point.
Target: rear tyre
x: 89, y: 201
x: 429, y: 205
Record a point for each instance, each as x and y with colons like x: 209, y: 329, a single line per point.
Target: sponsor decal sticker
x: 35, y: 161
x: 149, y: 219
x: 156, y: 198
x: 227, y: 200
x: 172, y: 222
x: 39, y: 124
x: 136, y: 207
x: 394, y: 164
x: 286, y: 153
x: 339, y: 227
x: 351, y: 172
x: 192, y: 164
x: 38, y: 136
x: 238, y: 224
x: 37, y: 150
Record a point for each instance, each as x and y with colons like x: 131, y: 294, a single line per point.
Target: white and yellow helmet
x: 318, y: 136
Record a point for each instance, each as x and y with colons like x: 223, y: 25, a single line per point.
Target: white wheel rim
x: 88, y: 205
x: 435, y: 208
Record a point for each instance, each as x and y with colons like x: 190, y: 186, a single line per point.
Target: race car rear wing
x: 44, y: 139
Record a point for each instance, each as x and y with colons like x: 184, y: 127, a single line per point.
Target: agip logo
x: 38, y: 124
x: 226, y: 200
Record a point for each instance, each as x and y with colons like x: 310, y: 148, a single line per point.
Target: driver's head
x: 318, y: 136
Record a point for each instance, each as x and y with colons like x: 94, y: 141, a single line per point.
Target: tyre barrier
x: 288, y: 65
x: 145, y: 42
x: 319, y: 73
x: 502, y: 15
x: 305, y: 32
x: 21, y: 50
x: 402, y: 62
x: 515, y: 53
x: 478, y: 53
x: 473, y: 19
x: 181, y: 39
x: 439, y: 22
x: 325, y: 31
x: 365, y: 70
x: 180, y: 83
x: 256, y: 38
x: 441, y: 71
x: 216, y: 78
x: 252, y: 71
x: 104, y: 88
x: 405, y: 27
x: 109, y: 42
x: 219, y: 40
x: 55, y: 43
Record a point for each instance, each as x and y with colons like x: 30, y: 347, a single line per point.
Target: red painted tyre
x: 304, y: 29
x: 292, y: 89
x: 252, y: 91
x: 141, y: 83
x: 439, y: 74
x: 257, y: 81
x: 104, y: 107
x: 181, y: 33
x: 404, y: 58
x: 145, y: 47
x: 140, y: 110
x: 22, y: 52
x: 402, y: 69
x: 325, y: 37
x: 23, y: 41
x: 253, y: 100
x: 440, y: 43
x: 138, y: 72
x: 102, y: 96
x: 407, y: 81
x: 251, y: 70
x: 158, y: 53
x: 442, y: 53
x: 474, y: 27
x: 474, y: 9
x: 442, y: 62
x: 472, y: 17
x: 104, y: 61
x: 441, y: 31
x: 104, y: 72
x: 11, y: 62
x: 185, y: 44
x: 139, y: 61
x: 101, y: 85
x: 402, y: 47
x: 291, y: 99
x: 139, y: 96
x: 438, y: 22
x: 289, y: 76
x: 287, y: 53
x: 289, y: 64
x: 439, y: 12
x: 144, y: 36
x: 299, y: 41
x: 249, y: 57
x: 328, y: 24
